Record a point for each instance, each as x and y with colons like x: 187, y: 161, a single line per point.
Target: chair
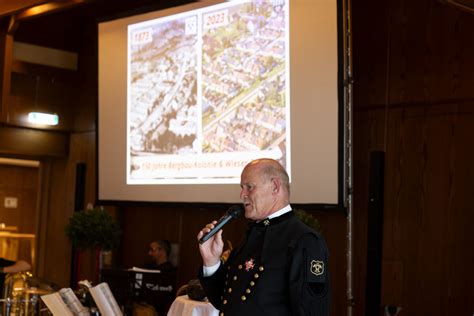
x: 174, y: 254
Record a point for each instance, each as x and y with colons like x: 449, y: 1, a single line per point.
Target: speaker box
x: 79, y: 196
x: 79, y: 193
x: 375, y: 234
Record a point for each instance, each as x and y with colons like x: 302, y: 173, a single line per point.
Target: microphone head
x: 234, y: 211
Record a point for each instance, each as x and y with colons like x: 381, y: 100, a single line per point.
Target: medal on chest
x: 249, y: 264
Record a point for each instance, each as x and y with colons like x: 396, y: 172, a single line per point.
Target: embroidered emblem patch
x: 249, y: 264
x: 317, y: 267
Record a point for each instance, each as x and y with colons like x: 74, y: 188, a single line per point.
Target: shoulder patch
x: 317, y: 267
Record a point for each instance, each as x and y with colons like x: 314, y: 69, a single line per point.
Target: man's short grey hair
x: 272, y: 168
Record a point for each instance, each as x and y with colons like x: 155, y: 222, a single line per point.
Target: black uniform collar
x: 274, y: 220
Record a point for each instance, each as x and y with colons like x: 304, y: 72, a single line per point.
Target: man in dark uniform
x: 281, y: 268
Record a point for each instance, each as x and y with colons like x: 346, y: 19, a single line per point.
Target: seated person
x: 8, y: 266
x: 162, y: 299
x: 159, y: 252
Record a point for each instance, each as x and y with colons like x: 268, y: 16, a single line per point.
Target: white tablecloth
x: 183, y: 306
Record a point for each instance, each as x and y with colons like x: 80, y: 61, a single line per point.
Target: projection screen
x: 189, y: 95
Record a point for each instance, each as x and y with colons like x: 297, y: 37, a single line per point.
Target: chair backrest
x: 174, y: 255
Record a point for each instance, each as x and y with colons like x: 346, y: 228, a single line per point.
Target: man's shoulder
x: 298, y: 226
x: 302, y: 233
x: 5, y: 262
x: 166, y: 267
x: 292, y: 230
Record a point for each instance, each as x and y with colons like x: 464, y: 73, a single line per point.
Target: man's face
x: 154, y: 250
x: 256, y: 193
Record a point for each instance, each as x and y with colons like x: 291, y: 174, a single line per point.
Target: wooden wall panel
x: 369, y: 53
x: 427, y: 52
x: 427, y: 208
x: 20, y: 183
x: 53, y: 246
x: 59, y: 206
x: 32, y: 143
x: 86, y: 114
x: 425, y: 126
x: 42, y: 89
x: 421, y: 226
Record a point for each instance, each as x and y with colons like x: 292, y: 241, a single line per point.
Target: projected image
x: 243, y: 78
x: 207, y: 93
x: 162, y: 112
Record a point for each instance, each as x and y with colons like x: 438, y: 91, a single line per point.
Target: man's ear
x: 275, y: 185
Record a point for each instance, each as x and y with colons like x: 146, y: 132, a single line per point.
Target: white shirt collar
x: 284, y: 210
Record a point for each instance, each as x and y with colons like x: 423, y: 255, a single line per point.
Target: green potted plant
x: 308, y: 219
x: 93, y: 229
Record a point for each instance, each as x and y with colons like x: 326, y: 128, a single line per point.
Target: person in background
x: 281, y: 267
x: 159, y: 252
x: 8, y: 266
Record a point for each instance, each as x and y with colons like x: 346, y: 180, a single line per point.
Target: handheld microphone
x: 232, y: 213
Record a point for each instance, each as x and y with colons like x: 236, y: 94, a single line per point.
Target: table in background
x: 184, y: 306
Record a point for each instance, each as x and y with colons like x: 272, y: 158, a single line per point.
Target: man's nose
x: 243, y: 194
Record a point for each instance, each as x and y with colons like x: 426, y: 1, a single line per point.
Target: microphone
x: 232, y: 213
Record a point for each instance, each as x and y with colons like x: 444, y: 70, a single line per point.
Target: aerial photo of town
x: 244, y: 80
x: 163, y: 111
x: 238, y: 52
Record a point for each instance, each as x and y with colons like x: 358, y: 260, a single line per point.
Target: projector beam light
x: 43, y: 118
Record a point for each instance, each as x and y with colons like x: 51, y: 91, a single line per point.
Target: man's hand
x: 212, y: 249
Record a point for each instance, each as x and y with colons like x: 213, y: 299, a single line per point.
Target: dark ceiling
x: 65, y: 28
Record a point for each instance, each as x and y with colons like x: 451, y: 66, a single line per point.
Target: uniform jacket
x: 281, y: 268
